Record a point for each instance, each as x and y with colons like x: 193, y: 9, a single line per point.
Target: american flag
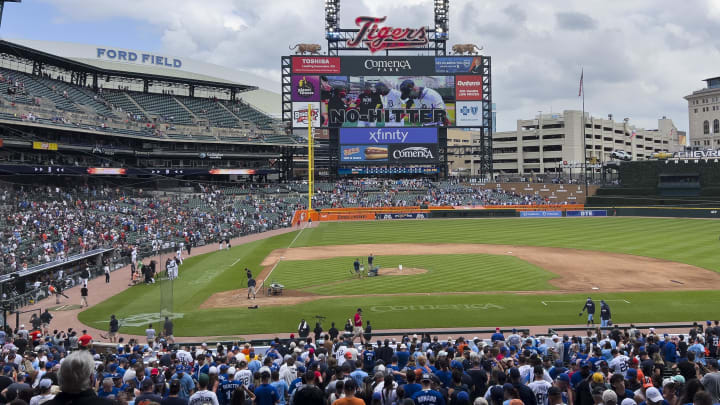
x: 582, y: 73
x: 632, y: 134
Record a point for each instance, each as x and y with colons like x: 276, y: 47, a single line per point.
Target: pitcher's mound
x: 406, y: 271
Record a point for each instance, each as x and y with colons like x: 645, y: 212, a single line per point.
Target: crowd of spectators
x: 616, y: 367
x: 44, y: 224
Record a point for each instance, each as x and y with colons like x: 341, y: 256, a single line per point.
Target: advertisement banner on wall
x: 305, y: 88
x: 45, y: 146
x: 541, y: 214
x: 587, y: 213
x: 459, y: 64
x: 469, y: 113
x: 413, y: 154
x: 406, y: 215
x: 349, y: 136
x: 300, y: 114
x: 468, y: 88
x: 316, y: 64
x: 364, y: 153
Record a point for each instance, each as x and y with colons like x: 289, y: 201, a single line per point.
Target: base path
x: 98, y: 290
x: 578, y: 270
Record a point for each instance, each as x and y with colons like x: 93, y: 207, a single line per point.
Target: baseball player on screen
x: 590, y: 308
x: 421, y: 97
x: 391, y: 99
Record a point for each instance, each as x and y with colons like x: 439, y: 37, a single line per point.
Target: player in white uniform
x: 619, y: 363
x: 540, y: 387
x: 391, y: 99
x: 178, y: 255
x: 421, y: 97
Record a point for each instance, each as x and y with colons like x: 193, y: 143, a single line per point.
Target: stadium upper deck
x: 130, y: 100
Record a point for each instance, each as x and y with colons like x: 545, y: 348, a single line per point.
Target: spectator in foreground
x: 76, y: 379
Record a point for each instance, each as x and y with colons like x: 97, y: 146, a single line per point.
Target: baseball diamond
x: 490, y: 269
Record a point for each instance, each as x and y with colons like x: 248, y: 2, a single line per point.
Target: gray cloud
x: 634, y: 53
x: 515, y: 13
x: 574, y: 21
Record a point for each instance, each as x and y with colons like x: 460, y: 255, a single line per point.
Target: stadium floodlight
x: 442, y: 19
x: 2, y: 6
x: 332, y: 19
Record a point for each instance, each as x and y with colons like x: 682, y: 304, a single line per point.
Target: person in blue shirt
x: 669, y: 353
x: 358, y: 375
x: 497, y: 336
x: 187, y: 385
x: 581, y: 374
x: 281, y: 387
x: 403, y: 356
x: 108, y: 388
x: 265, y: 394
x: 411, y: 387
x: 617, y: 382
x: 227, y: 387
x: 427, y: 396
x: 368, y: 358
x: 699, y: 351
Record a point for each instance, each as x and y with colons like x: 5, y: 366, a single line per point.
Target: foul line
x: 545, y: 302
x: 278, y: 262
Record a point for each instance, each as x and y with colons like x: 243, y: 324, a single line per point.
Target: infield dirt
x: 577, y: 270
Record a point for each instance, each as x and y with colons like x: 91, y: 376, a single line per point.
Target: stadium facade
x: 704, y: 115
x: 126, y: 113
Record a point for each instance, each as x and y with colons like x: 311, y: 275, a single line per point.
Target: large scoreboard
x: 388, y: 114
x: 389, y: 91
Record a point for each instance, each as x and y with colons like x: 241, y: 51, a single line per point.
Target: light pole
x: 2, y: 7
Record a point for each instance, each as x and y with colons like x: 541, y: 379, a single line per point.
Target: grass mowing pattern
x: 684, y: 240
x: 692, y: 241
x: 447, y: 273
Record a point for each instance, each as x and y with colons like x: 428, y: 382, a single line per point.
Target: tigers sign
x: 376, y: 38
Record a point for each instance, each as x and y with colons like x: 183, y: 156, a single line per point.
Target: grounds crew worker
x: 590, y: 307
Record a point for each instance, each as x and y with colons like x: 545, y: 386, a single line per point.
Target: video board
x: 387, y: 91
x: 388, y: 146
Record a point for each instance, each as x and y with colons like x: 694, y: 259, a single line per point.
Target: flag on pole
x: 582, y: 73
x: 632, y: 134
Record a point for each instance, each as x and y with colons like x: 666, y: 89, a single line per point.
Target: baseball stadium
x: 147, y: 198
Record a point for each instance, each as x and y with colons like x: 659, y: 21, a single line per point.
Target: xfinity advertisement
x: 387, y: 135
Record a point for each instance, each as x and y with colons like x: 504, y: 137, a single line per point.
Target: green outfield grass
x: 684, y: 240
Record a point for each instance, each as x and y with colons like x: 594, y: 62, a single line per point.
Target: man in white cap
x: 23, y: 333
x: 653, y: 396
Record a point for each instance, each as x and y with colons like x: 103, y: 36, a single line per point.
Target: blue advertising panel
x: 458, y: 64
x: 587, y: 213
x: 406, y: 215
x: 364, y: 153
x: 387, y: 170
x: 374, y: 136
x: 541, y: 214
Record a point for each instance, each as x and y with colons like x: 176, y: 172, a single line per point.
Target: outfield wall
x: 525, y: 211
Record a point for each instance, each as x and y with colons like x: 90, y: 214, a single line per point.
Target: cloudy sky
x: 640, y: 57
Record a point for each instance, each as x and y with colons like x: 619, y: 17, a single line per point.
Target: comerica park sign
x: 376, y: 37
